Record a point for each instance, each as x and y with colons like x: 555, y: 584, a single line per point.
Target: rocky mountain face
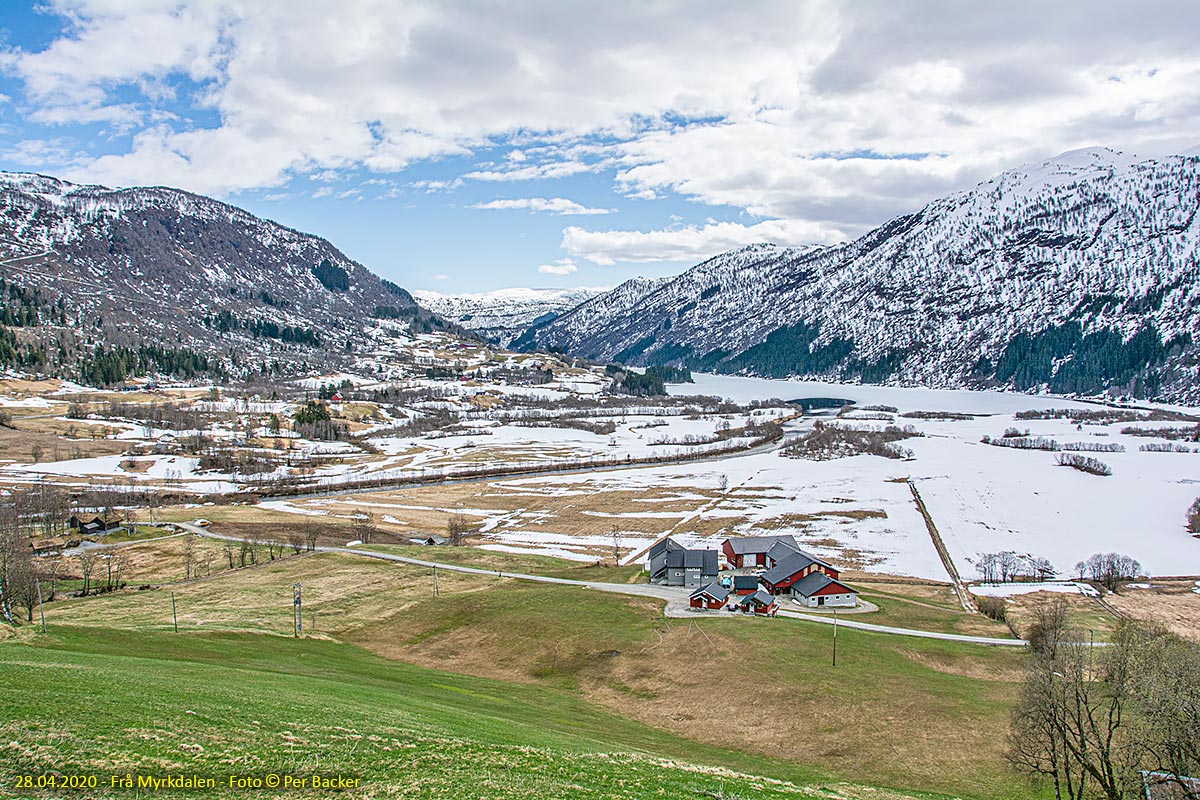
x: 1077, y: 275
x: 87, y: 268
x: 503, y: 315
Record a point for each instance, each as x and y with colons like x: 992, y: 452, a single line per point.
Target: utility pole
x: 41, y: 609
x: 297, y: 611
x: 435, y: 583
x: 835, y: 638
x: 174, y: 618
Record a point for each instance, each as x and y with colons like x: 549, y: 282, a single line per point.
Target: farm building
x: 758, y: 603
x: 745, y: 584
x: 792, y: 568
x: 816, y: 590
x: 52, y: 546
x: 92, y: 526
x: 748, y: 552
x: 656, y: 556
x: 712, y: 597
x: 673, y: 564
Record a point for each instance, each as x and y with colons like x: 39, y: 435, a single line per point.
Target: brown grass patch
x: 1172, y: 604
x: 981, y: 669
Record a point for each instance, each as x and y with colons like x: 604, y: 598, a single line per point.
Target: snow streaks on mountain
x: 163, y: 267
x: 1078, y: 275
x: 504, y: 314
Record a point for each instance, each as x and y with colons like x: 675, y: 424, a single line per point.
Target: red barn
x: 751, y: 551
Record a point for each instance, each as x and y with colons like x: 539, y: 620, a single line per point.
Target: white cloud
x: 689, y: 243
x: 784, y: 112
x: 440, y: 277
x: 554, y: 205
x: 563, y: 266
x: 430, y: 187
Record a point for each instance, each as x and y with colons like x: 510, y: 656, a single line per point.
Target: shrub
x: 833, y: 441
x: 1092, y: 466
x: 993, y: 608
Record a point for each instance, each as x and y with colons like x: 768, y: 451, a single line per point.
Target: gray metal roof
x: 760, y: 597
x: 714, y: 590
x: 788, y: 567
x: 703, y: 560
x: 668, y: 544
x: 782, y: 549
x: 745, y: 581
x: 814, y: 582
x: 758, y: 544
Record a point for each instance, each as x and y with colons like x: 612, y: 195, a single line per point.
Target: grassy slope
x: 214, y: 704
x: 896, y: 712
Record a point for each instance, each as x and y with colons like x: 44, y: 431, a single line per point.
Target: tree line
x: 1100, y: 722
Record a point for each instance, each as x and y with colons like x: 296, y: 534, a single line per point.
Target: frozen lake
x: 743, y: 390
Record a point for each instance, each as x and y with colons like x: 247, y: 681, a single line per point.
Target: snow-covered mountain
x: 504, y: 314
x: 163, y: 267
x: 1078, y: 274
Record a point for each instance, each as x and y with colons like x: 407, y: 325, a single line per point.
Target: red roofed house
x: 712, y: 597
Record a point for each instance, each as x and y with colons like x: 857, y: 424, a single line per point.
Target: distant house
x: 1165, y: 786
x: 48, y: 547
x: 749, y: 552
x: 745, y: 584
x: 758, y: 603
x: 93, y: 526
x: 336, y: 397
x: 816, y: 591
x: 712, y: 597
x: 432, y: 540
x: 672, y: 564
x: 792, y: 567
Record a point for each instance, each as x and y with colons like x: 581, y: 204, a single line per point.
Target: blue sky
x: 469, y: 146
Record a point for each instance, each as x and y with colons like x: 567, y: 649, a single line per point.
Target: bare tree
x: 13, y: 548
x: 457, y: 530
x: 363, y: 526
x: 87, y: 565
x: 189, y: 556
x: 1109, y: 569
x: 118, y: 565
x: 1090, y: 722
x: 1165, y: 688
x: 295, y: 540
x: 312, y: 532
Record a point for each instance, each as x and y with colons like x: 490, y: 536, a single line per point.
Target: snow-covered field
x: 858, y: 511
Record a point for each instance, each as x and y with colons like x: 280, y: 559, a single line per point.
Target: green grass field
x: 495, y: 688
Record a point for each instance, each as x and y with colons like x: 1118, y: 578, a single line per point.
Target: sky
x: 468, y: 146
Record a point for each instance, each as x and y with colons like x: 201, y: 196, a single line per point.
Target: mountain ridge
x: 1021, y: 282
x: 100, y: 269
x: 502, y: 315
